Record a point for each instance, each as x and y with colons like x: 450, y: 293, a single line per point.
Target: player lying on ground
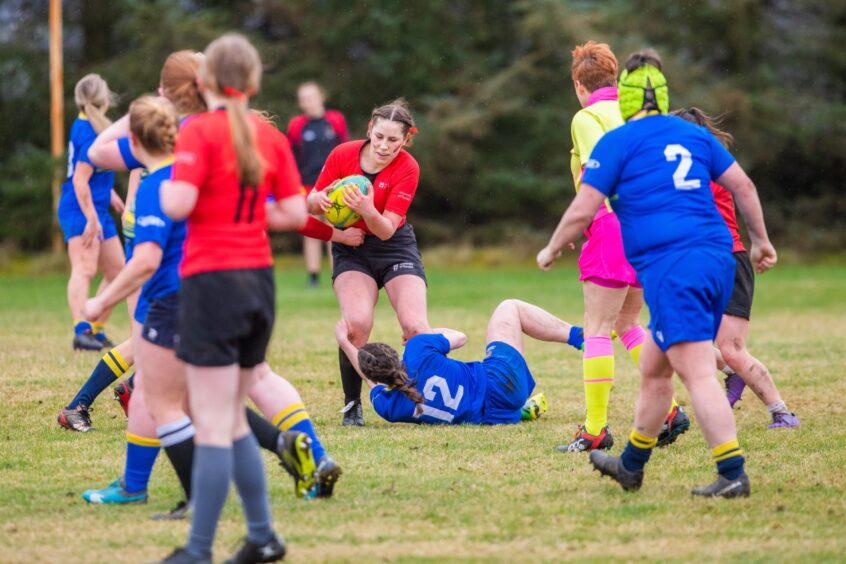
x: 427, y: 386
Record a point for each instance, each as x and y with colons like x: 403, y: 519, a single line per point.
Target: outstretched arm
x: 573, y: 222
x: 342, y: 335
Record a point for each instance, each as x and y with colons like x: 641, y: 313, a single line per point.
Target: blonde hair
x: 154, y: 124
x: 179, y: 82
x: 232, y: 69
x: 93, y: 98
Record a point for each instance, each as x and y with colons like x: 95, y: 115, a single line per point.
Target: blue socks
x: 305, y: 426
x: 295, y: 418
x: 82, y: 327
x: 576, y: 338
x: 111, y: 367
x: 637, y: 451
x: 141, y: 455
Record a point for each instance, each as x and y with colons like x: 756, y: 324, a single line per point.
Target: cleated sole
x: 675, y: 433
x: 326, y: 482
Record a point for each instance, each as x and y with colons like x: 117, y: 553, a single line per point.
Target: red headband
x: 231, y: 92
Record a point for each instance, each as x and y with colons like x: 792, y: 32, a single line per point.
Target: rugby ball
x: 338, y: 213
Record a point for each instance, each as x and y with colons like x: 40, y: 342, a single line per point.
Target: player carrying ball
x: 656, y: 170
x: 428, y: 387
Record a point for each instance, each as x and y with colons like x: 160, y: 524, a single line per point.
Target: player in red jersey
x: 733, y: 358
x: 227, y: 163
x: 389, y: 256
x: 313, y: 134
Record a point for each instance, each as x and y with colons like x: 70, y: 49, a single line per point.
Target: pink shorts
x: 603, y: 260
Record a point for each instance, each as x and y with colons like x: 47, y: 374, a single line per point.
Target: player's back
x: 454, y: 391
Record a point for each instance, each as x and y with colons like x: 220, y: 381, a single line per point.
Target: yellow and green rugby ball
x: 338, y: 213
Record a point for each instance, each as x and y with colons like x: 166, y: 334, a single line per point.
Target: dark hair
x: 397, y: 111
x: 644, y: 57
x: 697, y: 116
x: 380, y: 363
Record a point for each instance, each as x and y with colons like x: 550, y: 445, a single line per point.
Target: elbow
x: 385, y: 235
x: 175, y: 210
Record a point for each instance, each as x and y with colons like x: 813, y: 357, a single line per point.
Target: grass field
x: 460, y: 493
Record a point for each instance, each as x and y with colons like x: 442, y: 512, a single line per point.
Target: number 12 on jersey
x: 672, y: 152
x: 437, y: 384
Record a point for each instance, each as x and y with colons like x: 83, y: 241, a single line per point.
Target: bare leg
x: 408, y: 298
x: 110, y: 262
x: 731, y: 340
x: 83, y: 262
x: 656, y: 389
x: 602, y: 306
x: 512, y: 318
x: 629, y: 311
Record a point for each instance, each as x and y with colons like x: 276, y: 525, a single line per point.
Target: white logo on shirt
x: 592, y: 163
x: 185, y: 157
x: 149, y: 221
x: 382, y: 184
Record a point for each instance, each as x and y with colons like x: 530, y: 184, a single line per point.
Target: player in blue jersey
x: 428, y: 387
x: 83, y: 213
x: 656, y: 170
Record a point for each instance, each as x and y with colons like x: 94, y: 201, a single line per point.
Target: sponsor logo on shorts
x: 149, y: 221
x: 152, y: 334
x: 404, y: 266
x: 660, y: 336
x: 592, y: 163
x: 489, y: 351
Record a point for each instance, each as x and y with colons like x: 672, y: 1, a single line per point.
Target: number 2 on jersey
x: 672, y: 152
x: 437, y: 384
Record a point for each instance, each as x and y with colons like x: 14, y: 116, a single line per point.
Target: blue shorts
x: 73, y: 224
x: 160, y: 327
x: 128, y: 246
x: 687, y: 294
x: 509, y: 384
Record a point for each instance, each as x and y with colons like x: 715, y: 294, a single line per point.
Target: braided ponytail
x: 380, y: 363
x: 154, y: 124
x: 93, y: 98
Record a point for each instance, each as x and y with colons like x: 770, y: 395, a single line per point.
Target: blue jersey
x: 656, y: 171
x: 454, y: 391
x: 152, y: 225
x: 82, y: 136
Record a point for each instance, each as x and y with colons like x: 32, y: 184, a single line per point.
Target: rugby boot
x: 297, y: 458
x: 734, y: 388
x: 723, y: 487
x: 676, y: 423
x: 76, y: 419
x: 534, y: 407
x: 271, y: 551
x: 783, y: 419
x: 178, y: 513
x: 114, y: 494
x: 182, y: 556
x: 353, y: 414
x: 584, y: 441
x: 86, y: 342
x: 123, y: 391
x: 612, y: 466
x: 328, y: 473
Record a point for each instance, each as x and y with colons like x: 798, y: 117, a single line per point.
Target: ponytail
x: 380, y: 363
x: 93, y: 98
x: 697, y: 116
x: 154, y: 124
x: 232, y: 69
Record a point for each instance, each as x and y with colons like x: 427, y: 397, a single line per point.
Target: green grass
x: 458, y: 493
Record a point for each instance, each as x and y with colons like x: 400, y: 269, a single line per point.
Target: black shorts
x: 381, y: 260
x: 226, y: 317
x: 740, y: 304
x: 161, y: 322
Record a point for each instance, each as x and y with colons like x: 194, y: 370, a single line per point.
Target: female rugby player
x: 427, y: 386
x: 734, y: 329
x: 313, y: 134
x: 88, y: 228
x: 227, y: 163
x: 389, y: 257
x: 655, y: 170
x: 612, y: 295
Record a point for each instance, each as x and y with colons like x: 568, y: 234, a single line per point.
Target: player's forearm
x: 572, y: 224
x: 134, y: 275
x: 379, y: 225
x: 750, y: 207
x: 287, y: 215
x: 83, y: 198
x: 104, y: 152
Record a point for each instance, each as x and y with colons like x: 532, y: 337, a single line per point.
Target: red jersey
x: 394, y: 186
x: 227, y: 227
x: 725, y: 205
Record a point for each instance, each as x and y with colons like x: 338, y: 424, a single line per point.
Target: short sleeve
x: 191, y: 157
x: 603, y: 168
x: 391, y: 406
x: 721, y: 159
x: 126, y: 153
x: 82, y: 152
x: 330, y: 171
x: 151, y: 223
x: 287, y: 182
x: 403, y: 188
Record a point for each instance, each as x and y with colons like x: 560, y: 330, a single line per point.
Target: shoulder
x: 334, y: 117
x: 405, y: 162
x: 82, y: 131
x: 349, y: 148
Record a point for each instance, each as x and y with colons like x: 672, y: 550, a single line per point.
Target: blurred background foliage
x: 489, y: 83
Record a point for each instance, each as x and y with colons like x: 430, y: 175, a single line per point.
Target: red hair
x: 594, y: 65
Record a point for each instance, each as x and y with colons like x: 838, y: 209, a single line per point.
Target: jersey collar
x: 161, y: 164
x: 83, y: 116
